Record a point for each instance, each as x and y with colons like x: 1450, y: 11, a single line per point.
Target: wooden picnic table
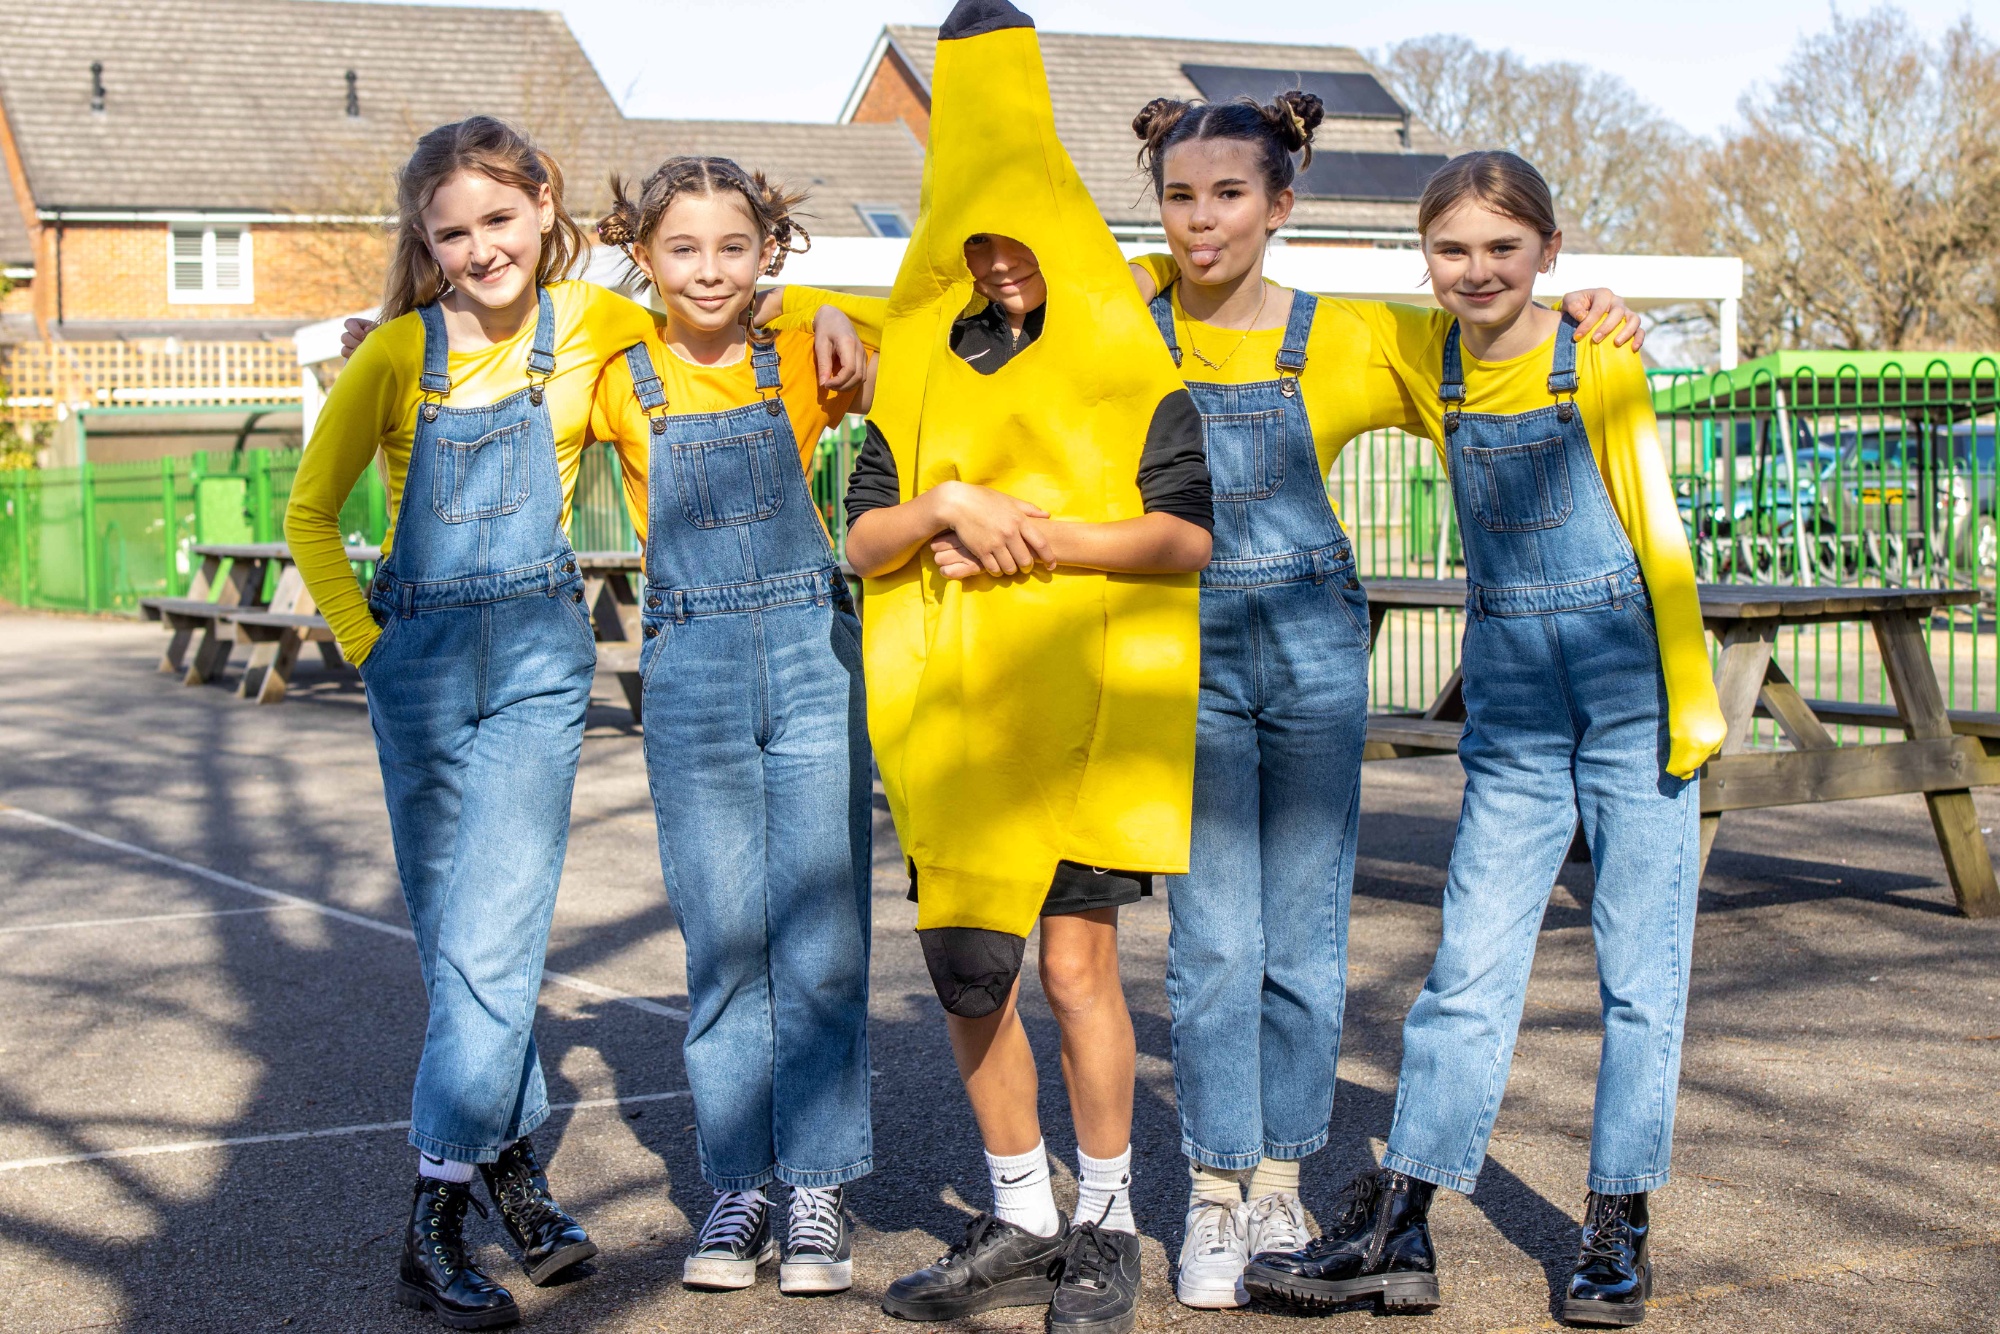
x: 1945, y: 752
x: 224, y: 606
x: 612, y: 583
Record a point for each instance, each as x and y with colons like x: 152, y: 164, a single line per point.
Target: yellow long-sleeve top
x: 1373, y: 364
x: 1617, y: 409
x: 373, y: 406
x: 692, y: 389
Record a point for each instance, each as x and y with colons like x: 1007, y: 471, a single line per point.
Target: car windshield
x: 1814, y: 464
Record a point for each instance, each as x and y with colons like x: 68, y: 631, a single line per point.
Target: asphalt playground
x: 210, y: 1013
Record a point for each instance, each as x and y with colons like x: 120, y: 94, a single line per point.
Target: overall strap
x: 1451, y: 386
x: 1292, y: 352
x: 542, y: 356
x: 1562, y: 374
x: 646, y: 384
x: 435, y: 384
x: 764, y: 361
x: 1162, y: 307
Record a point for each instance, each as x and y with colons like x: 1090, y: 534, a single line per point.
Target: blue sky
x: 796, y: 59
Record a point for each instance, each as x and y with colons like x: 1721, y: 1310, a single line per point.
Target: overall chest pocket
x: 1246, y: 453
x: 482, y: 478
x: 729, y: 481
x: 1518, y: 488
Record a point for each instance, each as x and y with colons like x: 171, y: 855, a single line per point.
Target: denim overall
x: 1257, y: 956
x: 757, y: 753
x: 476, y: 691
x: 1566, y: 718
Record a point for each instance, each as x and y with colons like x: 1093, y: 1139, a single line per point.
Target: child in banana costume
x: 1030, y: 513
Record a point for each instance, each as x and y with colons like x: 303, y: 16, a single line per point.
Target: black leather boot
x: 1379, y: 1248
x: 550, y: 1240
x: 435, y: 1275
x: 1613, y: 1276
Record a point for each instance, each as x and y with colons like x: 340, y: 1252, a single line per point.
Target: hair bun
x: 1295, y: 114
x: 1157, y: 116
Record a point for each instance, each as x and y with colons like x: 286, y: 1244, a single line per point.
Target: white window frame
x: 868, y: 221
x: 209, y: 294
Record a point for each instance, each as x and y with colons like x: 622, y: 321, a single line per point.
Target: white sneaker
x: 1277, y: 1222
x: 1213, y: 1254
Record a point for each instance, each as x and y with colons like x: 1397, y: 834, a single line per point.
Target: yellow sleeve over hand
x: 1642, y: 493
x: 361, y: 408
x: 800, y: 304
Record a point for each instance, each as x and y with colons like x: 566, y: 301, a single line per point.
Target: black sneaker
x: 734, y: 1241
x: 1613, y: 1276
x: 998, y: 1264
x: 1099, y: 1292
x: 819, y: 1245
x: 1378, y: 1249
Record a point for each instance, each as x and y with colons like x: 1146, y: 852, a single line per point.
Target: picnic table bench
x: 224, y: 607
x: 1945, y: 753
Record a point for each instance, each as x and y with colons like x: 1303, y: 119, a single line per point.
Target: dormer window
x: 208, y: 265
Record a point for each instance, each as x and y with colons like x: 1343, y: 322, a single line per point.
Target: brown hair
x: 1283, y: 127
x: 1505, y: 182
x: 496, y: 150
x: 632, y: 222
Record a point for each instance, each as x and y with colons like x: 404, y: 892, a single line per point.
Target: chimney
x: 97, y: 86
x: 353, y: 98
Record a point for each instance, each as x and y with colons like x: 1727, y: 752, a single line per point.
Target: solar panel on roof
x: 1386, y: 176
x: 1351, y: 95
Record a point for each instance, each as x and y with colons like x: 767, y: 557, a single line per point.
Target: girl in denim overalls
x: 1257, y: 956
x: 476, y: 652
x: 756, y: 727
x: 1588, y: 696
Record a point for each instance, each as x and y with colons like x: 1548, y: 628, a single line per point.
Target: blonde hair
x: 495, y: 150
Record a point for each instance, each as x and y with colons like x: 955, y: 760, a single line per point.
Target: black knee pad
x: 972, y: 968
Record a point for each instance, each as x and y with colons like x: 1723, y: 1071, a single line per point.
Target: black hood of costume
x: 970, y: 18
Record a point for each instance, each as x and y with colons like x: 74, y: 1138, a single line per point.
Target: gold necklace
x: 1254, y: 321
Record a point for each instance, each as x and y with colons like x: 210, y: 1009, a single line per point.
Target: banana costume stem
x: 1025, y: 720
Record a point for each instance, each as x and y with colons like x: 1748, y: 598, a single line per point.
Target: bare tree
x: 1863, y: 191
x: 1615, y: 165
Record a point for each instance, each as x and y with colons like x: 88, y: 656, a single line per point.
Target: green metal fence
x: 1853, y: 469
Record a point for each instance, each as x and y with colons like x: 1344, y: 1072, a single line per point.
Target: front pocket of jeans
x: 1518, y: 488
x: 1246, y: 453
x: 730, y: 481
x: 480, y: 479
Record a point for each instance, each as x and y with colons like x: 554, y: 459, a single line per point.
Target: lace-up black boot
x: 435, y: 1275
x: 998, y: 1264
x: 550, y: 1240
x: 1099, y: 1292
x: 1613, y: 1276
x: 1380, y: 1248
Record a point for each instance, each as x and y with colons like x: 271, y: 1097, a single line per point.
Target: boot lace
x: 1357, y: 1199
x: 1607, y: 1233
x: 733, y: 1220
x: 527, y: 1204
x: 1278, y: 1221
x: 815, y: 1221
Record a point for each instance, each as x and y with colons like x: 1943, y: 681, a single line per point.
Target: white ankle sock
x: 444, y: 1169
x: 1021, y: 1192
x: 1273, y: 1175
x: 1208, y: 1186
x: 1104, y: 1191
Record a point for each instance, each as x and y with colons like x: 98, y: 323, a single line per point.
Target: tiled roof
x: 1098, y: 83
x: 15, y: 247
x: 840, y: 166
x: 242, y: 104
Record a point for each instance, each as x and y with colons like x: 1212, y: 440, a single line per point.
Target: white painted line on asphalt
x: 151, y: 917
x: 286, y: 1137
x: 338, y: 914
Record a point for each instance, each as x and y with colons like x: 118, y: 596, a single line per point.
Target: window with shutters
x: 208, y: 265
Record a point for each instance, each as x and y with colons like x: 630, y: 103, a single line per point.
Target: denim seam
x: 1422, y: 1171
x: 1219, y: 1162
x: 825, y: 1179
x: 1305, y: 1148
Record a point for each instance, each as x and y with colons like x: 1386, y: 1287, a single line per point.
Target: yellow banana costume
x: 1025, y: 720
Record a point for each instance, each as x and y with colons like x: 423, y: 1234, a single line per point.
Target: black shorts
x: 1079, y: 888
x: 973, y: 969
